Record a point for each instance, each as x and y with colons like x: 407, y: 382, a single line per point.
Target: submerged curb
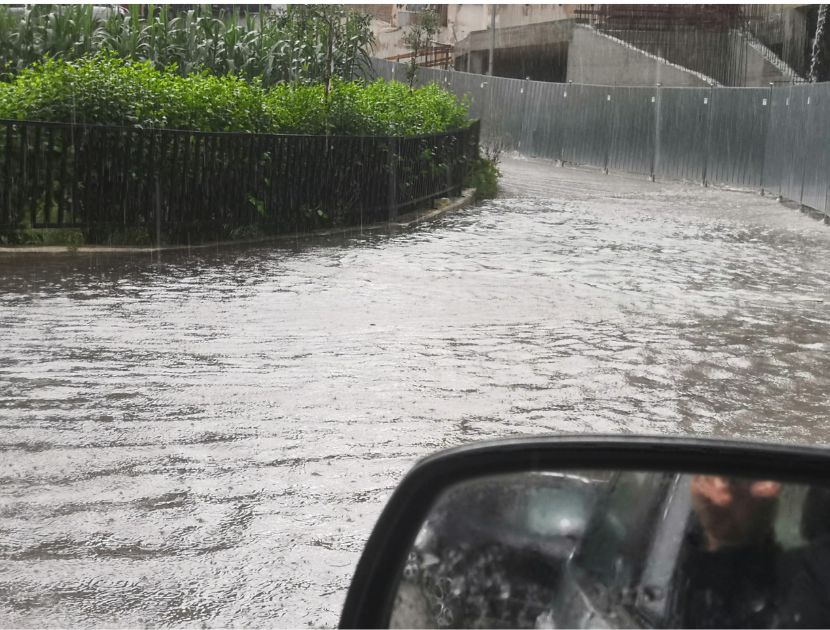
x: 404, y: 221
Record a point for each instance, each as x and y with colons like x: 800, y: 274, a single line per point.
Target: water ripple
x: 207, y: 439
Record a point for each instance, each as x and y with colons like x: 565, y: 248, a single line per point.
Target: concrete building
x: 685, y: 45
x: 461, y: 23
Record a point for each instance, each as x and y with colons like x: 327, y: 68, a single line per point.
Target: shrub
x: 379, y: 108
x: 69, y: 237
x: 484, y: 177
x: 106, y: 89
x: 406, y: 112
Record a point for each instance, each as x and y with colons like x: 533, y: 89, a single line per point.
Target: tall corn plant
x: 127, y: 36
x: 43, y: 31
x: 303, y: 44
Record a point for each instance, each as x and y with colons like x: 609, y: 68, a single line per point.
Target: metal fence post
x: 488, y: 109
x: 766, y: 133
x: 655, y: 156
x: 826, y: 198
x: 782, y: 186
x: 709, y: 103
x: 805, y: 125
x: 524, y: 92
x: 567, y: 138
x: 393, y: 178
x: 609, y: 126
x: 158, y: 213
x: 156, y: 157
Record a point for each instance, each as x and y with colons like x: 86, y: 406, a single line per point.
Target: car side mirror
x: 602, y: 531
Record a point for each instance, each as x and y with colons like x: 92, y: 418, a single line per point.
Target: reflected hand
x: 733, y: 511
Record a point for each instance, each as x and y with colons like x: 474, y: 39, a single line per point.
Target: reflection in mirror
x: 620, y: 549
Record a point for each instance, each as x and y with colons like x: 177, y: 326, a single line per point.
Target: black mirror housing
x: 370, y: 599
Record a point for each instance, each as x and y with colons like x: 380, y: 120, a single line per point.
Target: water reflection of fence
x: 774, y: 139
x: 187, y: 184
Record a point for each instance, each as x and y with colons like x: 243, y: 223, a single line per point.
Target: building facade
x: 691, y: 45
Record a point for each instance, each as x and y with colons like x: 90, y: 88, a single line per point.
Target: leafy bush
x: 106, y: 89
x: 484, y: 177
x: 120, y: 236
x: 303, y: 43
x: 402, y: 111
x: 71, y: 238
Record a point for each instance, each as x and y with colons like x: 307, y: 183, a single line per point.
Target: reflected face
x: 610, y: 548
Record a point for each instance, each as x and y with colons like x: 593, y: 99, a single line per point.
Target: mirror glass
x: 620, y: 549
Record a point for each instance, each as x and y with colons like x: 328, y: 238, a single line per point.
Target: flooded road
x: 207, y: 440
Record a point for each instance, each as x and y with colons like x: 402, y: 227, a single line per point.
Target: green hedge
x: 108, y: 90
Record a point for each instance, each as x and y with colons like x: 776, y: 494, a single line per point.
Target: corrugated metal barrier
x: 772, y: 139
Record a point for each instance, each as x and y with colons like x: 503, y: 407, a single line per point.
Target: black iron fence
x: 179, y: 186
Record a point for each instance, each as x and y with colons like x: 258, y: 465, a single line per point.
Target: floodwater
x: 206, y: 440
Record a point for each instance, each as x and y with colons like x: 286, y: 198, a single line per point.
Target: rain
x: 204, y: 437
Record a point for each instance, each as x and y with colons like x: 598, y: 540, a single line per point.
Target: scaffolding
x: 660, y: 17
x: 437, y: 56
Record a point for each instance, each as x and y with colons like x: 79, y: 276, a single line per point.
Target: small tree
x: 418, y: 38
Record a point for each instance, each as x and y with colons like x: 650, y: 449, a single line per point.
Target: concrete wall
x: 549, y: 35
x: 380, y: 11
x: 795, y: 35
x: 759, y: 69
x: 538, y: 51
x: 463, y: 19
x: 726, y: 56
x: 708, y: 52
x: 388, y: 39
x: 601, y: 60
x: 537, y: 63
x: 526, y: 36
x: 785, y: 31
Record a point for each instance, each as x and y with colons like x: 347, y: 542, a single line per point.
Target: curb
x: 404, y: 221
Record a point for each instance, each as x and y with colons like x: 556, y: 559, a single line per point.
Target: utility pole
x: 492, y: 39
